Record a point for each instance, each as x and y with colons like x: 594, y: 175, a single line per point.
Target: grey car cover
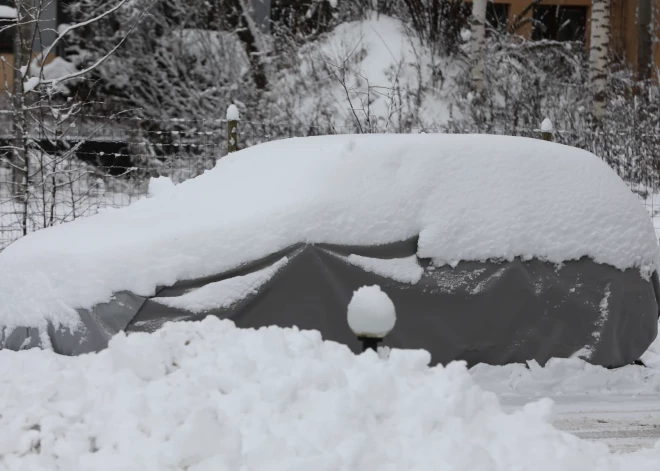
x: 481, y: 312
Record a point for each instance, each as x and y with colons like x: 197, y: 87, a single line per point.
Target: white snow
x: 202, y: 396
x: 619, y: 407
x: 566, y: 377
x: 8, y: 12
x: 652, y: 356
x: 546, y: 125
x: 604, y: 307
x: 404, y: 270
x: 56, y: 69
x: 232, y: 113
x: 30, y: 84
x: 371, y: 312
x: 381, y: 63
x: 468, y: 197
x: 160, y: 185
x: 225, y: 293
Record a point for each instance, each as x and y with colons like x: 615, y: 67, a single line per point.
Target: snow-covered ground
x: 618, y: 407
x: 208, y: 396
x: 624, y: 423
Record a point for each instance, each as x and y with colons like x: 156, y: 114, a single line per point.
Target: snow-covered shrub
x: 439, y: 23
x: 528, y: 81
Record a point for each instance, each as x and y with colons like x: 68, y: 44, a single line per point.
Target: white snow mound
x: 371, y: 312
x: 468, y: 197
x: 208, y: 396
x: 159, y: 185
x: 569, y: 377
x: 651, y: 357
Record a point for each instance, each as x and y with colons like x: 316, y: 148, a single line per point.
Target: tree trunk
x: 22, y: 55
x: 598, y: 56
x: 478, y: 44
x: 247, y: 32
x: 644, y: 39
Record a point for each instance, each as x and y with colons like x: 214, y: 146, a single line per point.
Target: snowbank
x: 468, y: 197
x: 202, y: 396
x: 652, y: 356
x: 568, y: 377
x: 158, y: 185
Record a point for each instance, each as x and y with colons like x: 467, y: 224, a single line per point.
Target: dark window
x: 497, y: 15
x: 6, y: 35
x: 560, y: 23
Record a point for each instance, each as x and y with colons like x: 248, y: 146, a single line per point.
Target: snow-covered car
x: 493, y: 249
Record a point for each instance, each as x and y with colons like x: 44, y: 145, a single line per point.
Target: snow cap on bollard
x: 371, y: 315
x: 547, y: 129
x: 546, y: 125
x: 232, y: 113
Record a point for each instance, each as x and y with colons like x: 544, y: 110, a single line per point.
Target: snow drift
x: 203, y: 396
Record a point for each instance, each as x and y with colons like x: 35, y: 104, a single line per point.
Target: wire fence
x: 107, y: 162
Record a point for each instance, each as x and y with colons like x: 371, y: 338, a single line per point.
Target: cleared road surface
x: 624, y: 423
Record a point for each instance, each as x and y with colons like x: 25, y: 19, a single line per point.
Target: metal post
x: 232, y: 136
x: 232, y: 129
x: 369, y: 343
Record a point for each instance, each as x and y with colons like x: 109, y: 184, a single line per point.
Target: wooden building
x: 566, y: 20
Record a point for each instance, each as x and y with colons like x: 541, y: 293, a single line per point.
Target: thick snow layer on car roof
x: 468, y: 197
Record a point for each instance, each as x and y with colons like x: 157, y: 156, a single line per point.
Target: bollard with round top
x: 371, y: 316
x: 547, y: 130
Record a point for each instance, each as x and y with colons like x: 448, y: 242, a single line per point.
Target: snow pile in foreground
x: 572, y: 376
x: 206, y: 396
x: 468, y: 197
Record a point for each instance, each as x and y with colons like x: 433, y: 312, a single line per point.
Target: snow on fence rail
x: 115, y: 156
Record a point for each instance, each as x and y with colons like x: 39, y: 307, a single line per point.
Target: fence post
x: 232, y: 129
x: 546, y: 130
